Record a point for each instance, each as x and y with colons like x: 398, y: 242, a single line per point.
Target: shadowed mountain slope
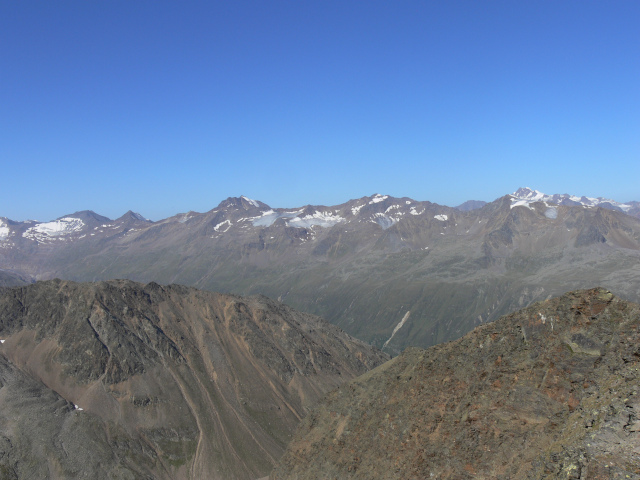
x: 549, y: 392
x: 123, y: 380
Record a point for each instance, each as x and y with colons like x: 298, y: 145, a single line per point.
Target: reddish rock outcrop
x: 552, y: 391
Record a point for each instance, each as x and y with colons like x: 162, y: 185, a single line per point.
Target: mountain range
x: 391, y: 271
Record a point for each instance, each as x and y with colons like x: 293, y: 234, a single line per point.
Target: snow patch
x: 398, y: 327
x: 356, y: 210
x: 270, y: 216
x: 413, y: 211
x: 4, y: 230
x: 383, y: 220
x: 378, y: 198
x: 551, y: 212
x: 521, y: 203
x: 442, y: 218
x: 57, y: 228
x: 391, y: 208
x: 252, y: 202
x: 1, y: 341
x: 321, y: 219
x: 218, y: 226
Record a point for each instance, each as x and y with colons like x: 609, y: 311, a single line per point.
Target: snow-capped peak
x: 378, y: 198
x: 252, y: 202
x: 526, y: 193
x: 525, y: 196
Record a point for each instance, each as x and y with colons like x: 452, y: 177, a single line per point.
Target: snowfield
x: 524, y: 197
x: 321, y: 219
x: 4, y: 230
x: 378, y: 198
x: 252, y: 202
x: 57, y: 228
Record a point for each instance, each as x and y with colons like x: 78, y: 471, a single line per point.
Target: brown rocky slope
x: 122, y: 380
x: 552, y: 391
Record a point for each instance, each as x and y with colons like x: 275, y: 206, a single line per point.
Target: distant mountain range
x: 391, y: 271
x: 526, y: 196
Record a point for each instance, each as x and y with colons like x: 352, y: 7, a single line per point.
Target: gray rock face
x: 123, y: 380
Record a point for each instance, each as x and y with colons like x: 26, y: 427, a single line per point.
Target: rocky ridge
x: 549, y: 392
x: 122, y: 380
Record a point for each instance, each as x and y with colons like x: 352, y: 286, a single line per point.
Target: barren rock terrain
x: 549, y: 392
x: 123, y: 380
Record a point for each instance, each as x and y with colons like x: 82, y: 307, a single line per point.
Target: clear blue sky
x: 164, y: 107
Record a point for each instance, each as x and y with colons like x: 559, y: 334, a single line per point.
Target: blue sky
x: 163, y: 107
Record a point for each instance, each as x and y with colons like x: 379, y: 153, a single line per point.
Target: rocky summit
x: 549, y: 392
x: 123, y: 380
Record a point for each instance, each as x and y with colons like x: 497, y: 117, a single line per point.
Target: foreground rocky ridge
x: 123, y: 380
x: 549, y: 392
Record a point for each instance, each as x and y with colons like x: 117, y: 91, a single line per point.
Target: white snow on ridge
x: 57, y: 228
x: 217, y: 227
x: 321, y: 219
x: 383, y: 220
x: 529, y: 195
x: 356, y: 210
x: 378, y: 198
x: 4, y: 230
x: 442, y: 218
x: 413, y: 211
x: 252, y: 202
x: 523, y: 197
x: 270, y: 216
x: 521, y: 203
x: 391, y: 208
x: 266, y: 219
